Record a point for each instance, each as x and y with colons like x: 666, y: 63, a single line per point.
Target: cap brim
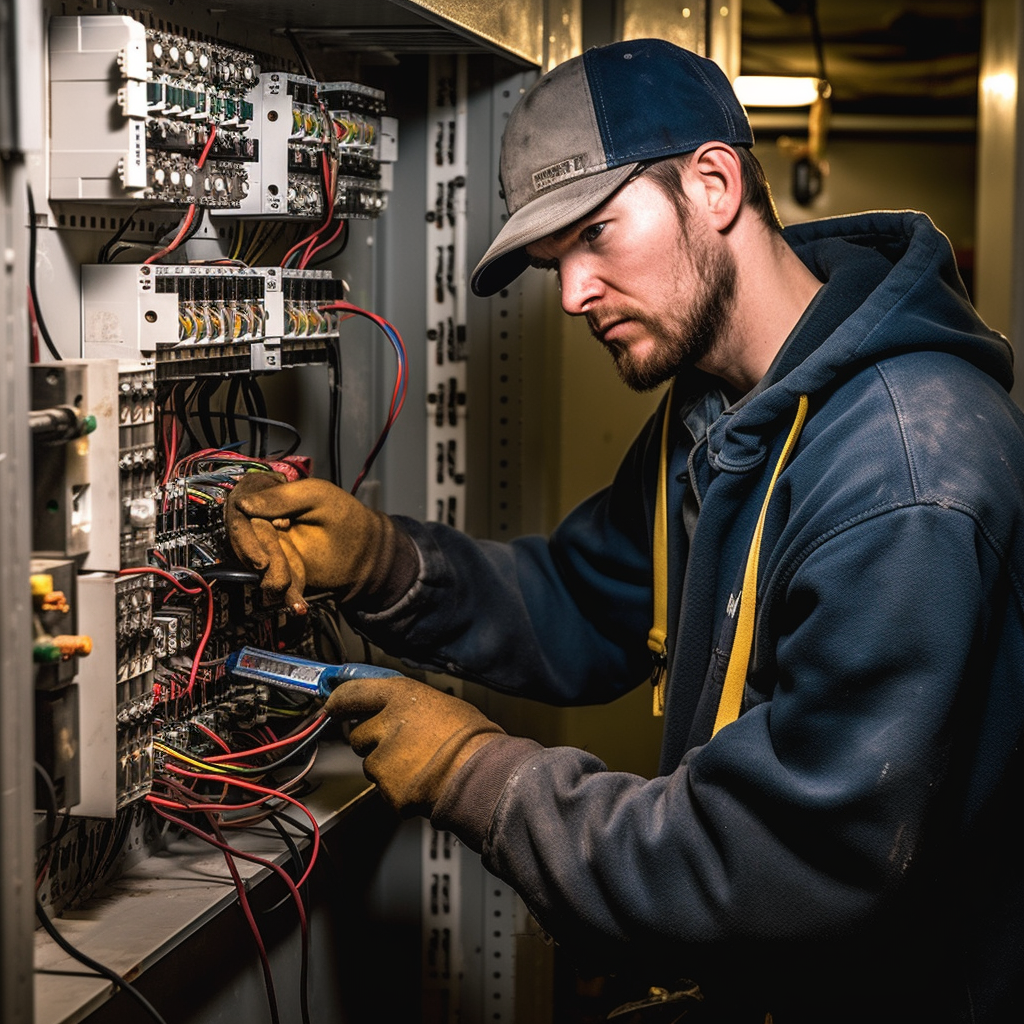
x: 506, y: 258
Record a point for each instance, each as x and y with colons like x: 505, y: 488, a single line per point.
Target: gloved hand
x: 414, y: 738
x: 309, y: 533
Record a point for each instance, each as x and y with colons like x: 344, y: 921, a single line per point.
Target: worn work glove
x: 414, y: 738
x: 309, y: 533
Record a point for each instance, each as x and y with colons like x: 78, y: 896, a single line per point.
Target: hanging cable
x: 335, y: 399
x: 260, y: 417
x: 819, y: 46
x: 310, y: 252
x: 186, y: 223
x: 94, y: 965
x: 33, y: 291
x: 345, y: 235
x: 399, y: 390
x: 103, y: 256
x: 256, y: 441
x: 307, y: 68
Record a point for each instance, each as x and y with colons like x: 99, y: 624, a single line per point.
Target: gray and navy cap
x: 588, y: 124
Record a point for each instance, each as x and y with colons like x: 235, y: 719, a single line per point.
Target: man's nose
x: 579, y: 285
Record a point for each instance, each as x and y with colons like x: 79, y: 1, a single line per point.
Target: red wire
x: 190, y: 216
x: 176, y: 241
x: 34, y: 324
x: 400, y: 389
x: 275, y: 794
x: 229, y: 854
x: 309, y: 239
x: 170, y: 450
x: 310, y: 253
x: 276, y: 745
x: 206, y: 148
x: 213, y: 736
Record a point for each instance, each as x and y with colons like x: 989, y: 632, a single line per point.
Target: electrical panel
x: 143, y: 429
x: 205, y: 196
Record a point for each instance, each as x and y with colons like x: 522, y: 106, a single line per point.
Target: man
x: 834, y: 602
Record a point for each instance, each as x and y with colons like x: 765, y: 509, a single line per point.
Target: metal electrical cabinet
x: 128, y: 133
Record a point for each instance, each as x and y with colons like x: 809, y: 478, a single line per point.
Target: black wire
x: 307, y: 831
x: 301, y: 54
x: 229, y: 410
x: 188, y: 391
x: 104, y: 254
x: 206, y: 390
x: 51, y: 801
x: 33, y: 232
x: 257, y: 448
x: 819, y: 46
x: 261, y: 414
x: 298, y: 864
x: 95, y: 965
x: 193, y: 229
x: 334, y: 380
x: 116, y: 847
x: 163, y: 230
x: 266, y: 421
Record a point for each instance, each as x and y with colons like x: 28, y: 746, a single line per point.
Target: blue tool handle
x: 358, y: 670
x: 289, y: 672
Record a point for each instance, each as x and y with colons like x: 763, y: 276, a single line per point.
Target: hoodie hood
x: 892, y: 286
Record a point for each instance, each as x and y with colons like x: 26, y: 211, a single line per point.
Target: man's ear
x: 719, y: 179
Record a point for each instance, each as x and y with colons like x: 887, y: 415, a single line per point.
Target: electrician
x: 834, y: 601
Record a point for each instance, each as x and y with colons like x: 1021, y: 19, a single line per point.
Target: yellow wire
x: 255, y: 239
x: 239, y: 238
x: 195, y: 762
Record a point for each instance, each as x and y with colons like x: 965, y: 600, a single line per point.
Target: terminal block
x: 294, y: 139
x: 142, y: 114
x: 197, y: 320
x: 116, y: 689
x: 305, y: 129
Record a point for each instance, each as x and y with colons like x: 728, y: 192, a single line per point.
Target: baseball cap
x: 583, y: 128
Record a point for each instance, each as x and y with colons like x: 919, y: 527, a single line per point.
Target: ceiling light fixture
x: 779, y: 90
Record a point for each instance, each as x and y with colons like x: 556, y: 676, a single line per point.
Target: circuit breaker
x: 138, y: 113
x: 303, y: 126
x: 206, y: 319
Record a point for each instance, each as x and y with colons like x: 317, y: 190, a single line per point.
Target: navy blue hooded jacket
x: 846, y: 848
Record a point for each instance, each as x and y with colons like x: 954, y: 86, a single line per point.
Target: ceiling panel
x: 881, y: 56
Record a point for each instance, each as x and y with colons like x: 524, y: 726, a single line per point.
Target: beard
x: 686, y: 332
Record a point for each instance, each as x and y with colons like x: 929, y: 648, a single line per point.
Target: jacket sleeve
x: 803, y: 818
x: 563, y: 620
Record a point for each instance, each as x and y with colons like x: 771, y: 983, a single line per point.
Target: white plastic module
x: 115, y: 691
x: 142, y: 114
x: 132, y: 312
x: 97, y: 133
x: 292, y: 132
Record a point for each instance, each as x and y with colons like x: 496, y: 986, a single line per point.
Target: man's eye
x: 591, y: 232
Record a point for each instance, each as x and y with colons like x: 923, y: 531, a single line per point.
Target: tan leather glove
x: 309, y: 533
x: 414, y: 738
